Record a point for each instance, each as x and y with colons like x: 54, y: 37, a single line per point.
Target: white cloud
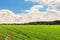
x: 50, y: 15
x: 32, y: 15
x: 56, y: 3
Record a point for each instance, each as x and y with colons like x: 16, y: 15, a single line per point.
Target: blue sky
x: 31, y: 8
x: 18, y: 5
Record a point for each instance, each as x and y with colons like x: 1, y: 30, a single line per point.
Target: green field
x: 30, y: 32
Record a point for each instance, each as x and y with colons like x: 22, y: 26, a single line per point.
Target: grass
x: 31, y: 32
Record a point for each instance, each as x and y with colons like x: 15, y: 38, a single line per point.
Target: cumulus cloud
x: 51, y: 3
x: 50, y: 15
x: 32, y: 15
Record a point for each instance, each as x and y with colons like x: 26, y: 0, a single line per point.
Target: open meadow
x: 29, y: 32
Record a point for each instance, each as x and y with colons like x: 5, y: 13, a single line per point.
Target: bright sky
x: 23, y: 11
x: 18, y: 6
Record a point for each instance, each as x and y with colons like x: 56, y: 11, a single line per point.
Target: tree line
x: 35, y: 23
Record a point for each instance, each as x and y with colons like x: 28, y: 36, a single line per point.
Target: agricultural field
x: 29, y: 32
